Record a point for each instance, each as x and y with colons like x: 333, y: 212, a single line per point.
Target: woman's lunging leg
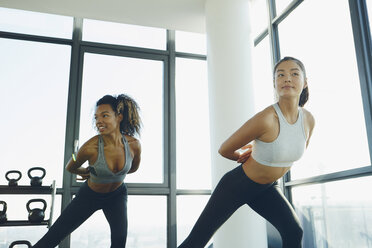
x: 116, y: 215
x: 79, y: 210
x: 274, y: 207
x: 221, y: 205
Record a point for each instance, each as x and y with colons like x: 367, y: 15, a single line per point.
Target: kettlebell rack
x: 26, y: 190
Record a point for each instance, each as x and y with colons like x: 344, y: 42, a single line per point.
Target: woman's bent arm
x: 252, y: 129
x: 136, y: 148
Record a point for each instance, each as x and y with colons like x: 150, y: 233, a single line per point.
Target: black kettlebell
x: 3, y: 218
x: 20, y: 242
x: 13, y: 181
x: 36, y: 215
x: 36, y: 181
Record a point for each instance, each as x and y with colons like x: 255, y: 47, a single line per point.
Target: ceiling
x: 184, y: 15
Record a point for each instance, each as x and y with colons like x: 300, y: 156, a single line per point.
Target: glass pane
x: 27, y: 22
x: 191, y: 42
x: 335, y: 96
x: 147, y: 226
x: 262, y: 76
x: 192, y: 108
x: 259, y: 13
x: 189, y: 209
x: 369, y: 9
x: 141, y: 79
x: 124, y: 34
x: 17, y: 211
x: 336, y: 214
x: 34, y: 82
x: 281, y: 5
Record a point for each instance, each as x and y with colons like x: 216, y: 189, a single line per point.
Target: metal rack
x: 26, y: 190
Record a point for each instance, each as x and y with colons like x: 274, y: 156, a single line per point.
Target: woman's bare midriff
x: 103, y: 187
x: 263, y: 174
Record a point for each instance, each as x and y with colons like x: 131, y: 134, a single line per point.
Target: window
x: 124, y: 34
x: 189, y: 209
x: 147, y: 226
x: 263, y: 86
x: 191, y: 42
x: 27, y: 22
x: 259, y: 20
x: 33, y: 99
x: 17, y: 211
x: 282, y: 5
x: 336, y: 214
x: 326, y: 47
x: 369, y: 9
x: 105, y: 74
x: 192, y: 118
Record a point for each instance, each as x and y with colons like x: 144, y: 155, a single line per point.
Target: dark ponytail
x: 305, y: 92
x: 304, y: 97
x: 125, y: 105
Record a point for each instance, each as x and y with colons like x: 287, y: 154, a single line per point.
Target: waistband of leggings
x: 241, y: 171
x: 121, y: 189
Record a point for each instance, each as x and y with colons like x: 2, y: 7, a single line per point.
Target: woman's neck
x: 289, y: 108
x: 113, y: 138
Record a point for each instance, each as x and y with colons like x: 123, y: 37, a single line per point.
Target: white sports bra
x: 288, y: 147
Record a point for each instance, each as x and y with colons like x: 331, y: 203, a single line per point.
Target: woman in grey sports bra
x: 279, y: 133
x: 111, y: 154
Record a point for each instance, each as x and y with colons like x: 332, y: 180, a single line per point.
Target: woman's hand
x: 84, y: 174
x: 247, y: 150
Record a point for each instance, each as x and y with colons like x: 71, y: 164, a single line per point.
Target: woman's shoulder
x: 130, y: 139
x: 309, y: 118
x: 93, y: 140
x: 267, y: 116
x: 90, y: 145
x: 307, y: 113
x: 133, y: 142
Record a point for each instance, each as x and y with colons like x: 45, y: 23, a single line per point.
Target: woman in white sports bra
x: 111, y: 154
x: 279, y: 135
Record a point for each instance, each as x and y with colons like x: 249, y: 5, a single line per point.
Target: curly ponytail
x: 125, y: 105
x: 131, y: 122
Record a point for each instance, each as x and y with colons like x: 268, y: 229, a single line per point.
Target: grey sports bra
x: 101, y: 173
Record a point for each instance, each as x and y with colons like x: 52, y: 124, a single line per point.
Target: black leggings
x: 86, y: 202
x: 236, y: 189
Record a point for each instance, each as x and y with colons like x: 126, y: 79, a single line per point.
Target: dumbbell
x: 3, y: 217
x: 13, y: 181
x: 36, y: 180
x: 20, y: 242
x: 36, y: 215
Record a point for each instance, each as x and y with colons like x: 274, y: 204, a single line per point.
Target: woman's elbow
x: 222, y: 151
x: 135, y: 165
x: 68, y: 168
x: 133, y: 169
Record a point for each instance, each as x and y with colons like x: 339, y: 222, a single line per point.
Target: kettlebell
x: 3, y: 218
x: 13, y: 181
x: 36, y: 215
x: 36, y: 181
x: 20, y: 242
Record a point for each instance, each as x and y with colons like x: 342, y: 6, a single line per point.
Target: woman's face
x: 106, y: 119
x: 289, y: 79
